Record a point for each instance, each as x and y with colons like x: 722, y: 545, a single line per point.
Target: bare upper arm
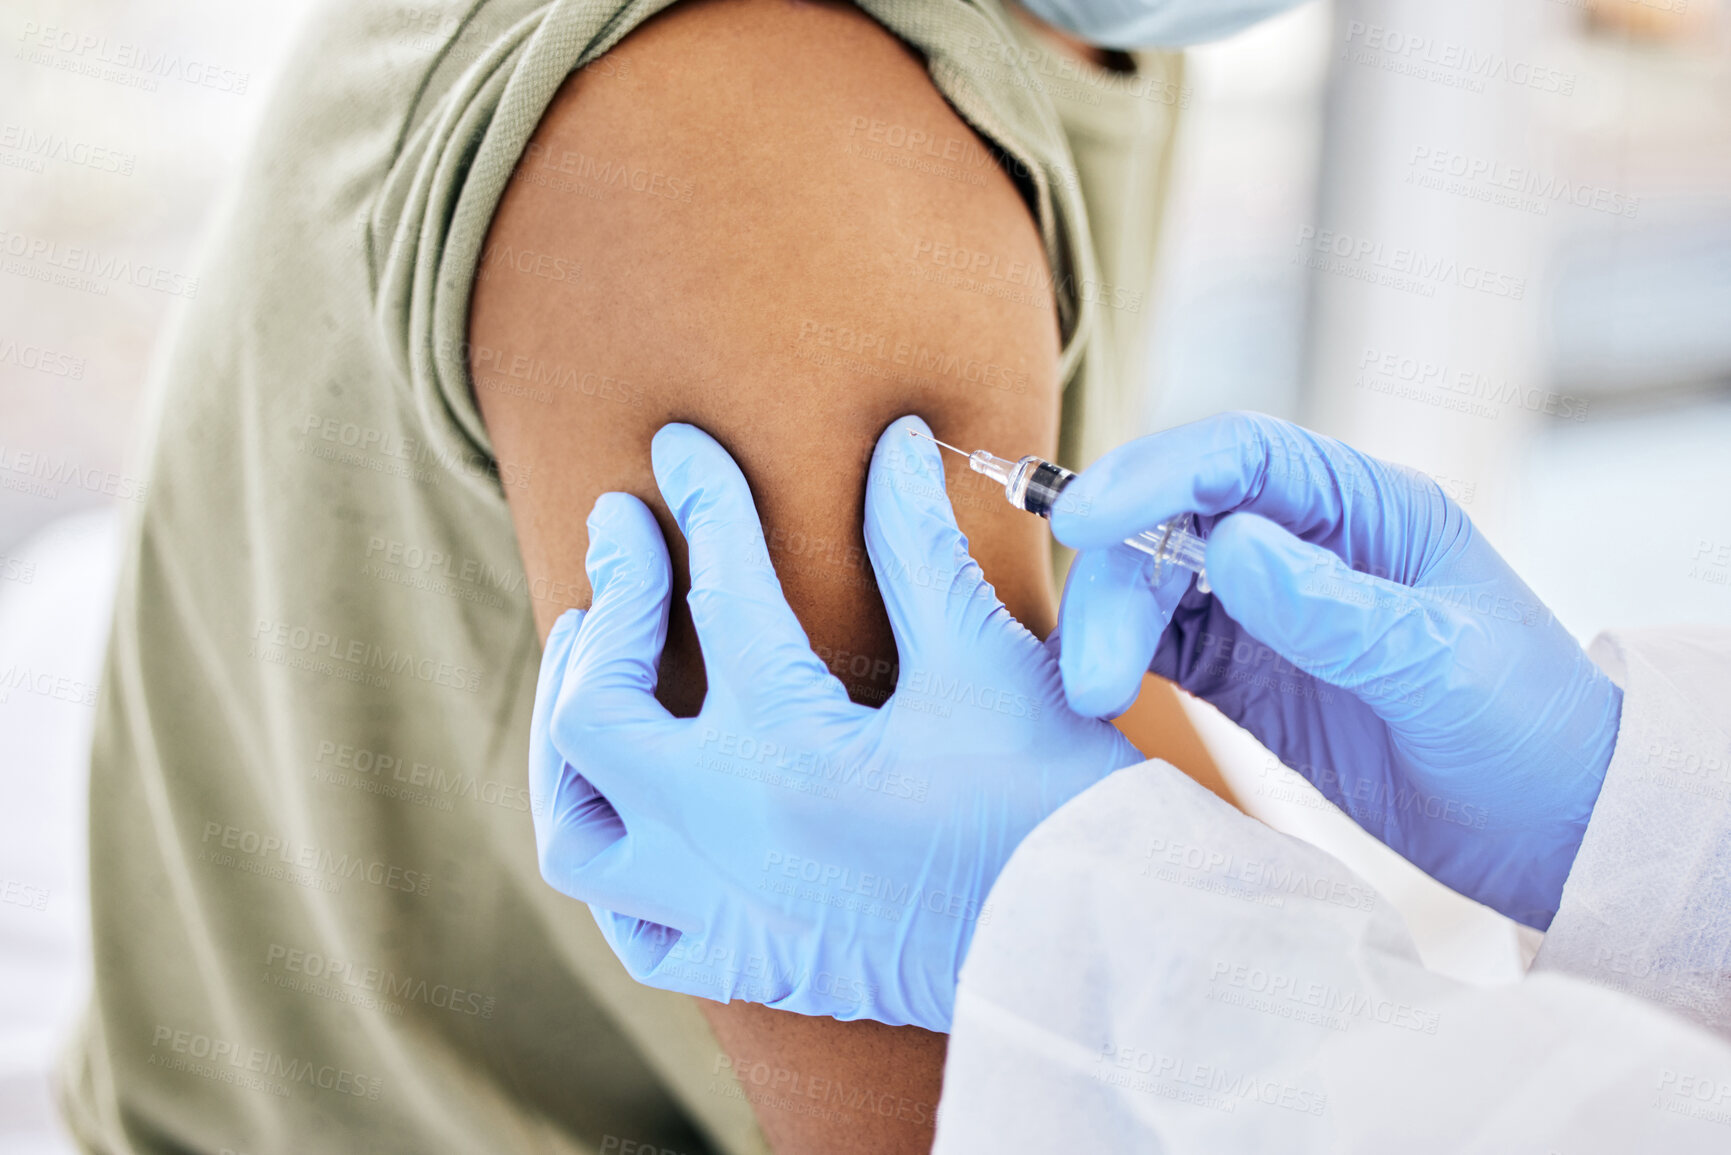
x: 738, y: 252
x: 723, y: 223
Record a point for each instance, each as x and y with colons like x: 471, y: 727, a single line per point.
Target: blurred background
x: 1489, y: 239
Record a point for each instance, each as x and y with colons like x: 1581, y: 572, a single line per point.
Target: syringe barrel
x: 1036, y: 485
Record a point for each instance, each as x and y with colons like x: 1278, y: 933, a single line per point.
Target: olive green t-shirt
x: 318, y: 920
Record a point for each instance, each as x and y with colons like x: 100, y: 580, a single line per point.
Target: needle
x: 935, y: 441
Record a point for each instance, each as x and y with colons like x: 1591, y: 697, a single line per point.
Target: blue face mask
x: 1153, y: 23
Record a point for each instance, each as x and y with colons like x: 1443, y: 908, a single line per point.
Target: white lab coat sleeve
x: 1647, y: 907
x: 1154, y: 23
x: 1155, y: 972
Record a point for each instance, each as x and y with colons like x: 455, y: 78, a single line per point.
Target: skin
x: 773, y: 217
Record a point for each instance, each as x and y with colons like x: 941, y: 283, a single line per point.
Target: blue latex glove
x: 787, y: 846
x: 1364, y: 631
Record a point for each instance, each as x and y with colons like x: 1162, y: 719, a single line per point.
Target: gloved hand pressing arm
x: 787, y: 846
x: 1364, y: 631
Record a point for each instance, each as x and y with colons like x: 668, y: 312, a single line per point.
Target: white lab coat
x: 1158, y: 972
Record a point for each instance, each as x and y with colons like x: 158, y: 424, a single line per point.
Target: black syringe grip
x: 1045, y: 483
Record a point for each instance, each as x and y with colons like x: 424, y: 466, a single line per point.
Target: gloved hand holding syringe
x: 1035, y: 484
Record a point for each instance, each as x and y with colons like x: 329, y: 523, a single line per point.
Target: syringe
x: 1034, y: 484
